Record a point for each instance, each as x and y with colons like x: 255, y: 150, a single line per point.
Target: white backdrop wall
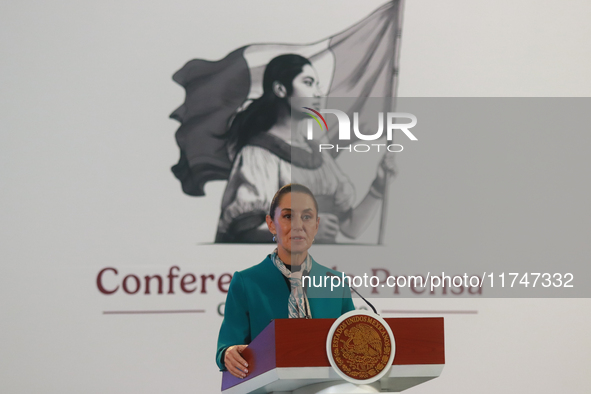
x: 87, y: 146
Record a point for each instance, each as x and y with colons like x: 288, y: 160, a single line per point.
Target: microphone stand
x: 356, y: 292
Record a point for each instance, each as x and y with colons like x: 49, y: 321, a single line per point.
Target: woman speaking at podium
x: 273, y: 289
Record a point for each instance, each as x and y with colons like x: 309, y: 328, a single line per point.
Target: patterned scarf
x: 298, y: 301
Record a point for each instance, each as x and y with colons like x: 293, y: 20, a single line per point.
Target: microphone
x: 356, y: 292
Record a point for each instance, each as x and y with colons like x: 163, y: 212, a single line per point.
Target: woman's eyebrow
x: 286, y: 209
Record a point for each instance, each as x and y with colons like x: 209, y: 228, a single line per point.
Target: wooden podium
x: 289, y: 356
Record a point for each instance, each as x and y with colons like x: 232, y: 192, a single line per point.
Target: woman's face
x: 296, y: 222
x: 306, y: 83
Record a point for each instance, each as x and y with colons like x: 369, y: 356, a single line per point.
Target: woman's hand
x: 234, y: 362
x: 328, y: 228
x: 387, y: 166
x: 365, y: 211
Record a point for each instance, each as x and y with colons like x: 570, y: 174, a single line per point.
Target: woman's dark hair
x: 263, y: 112
x: 289, y: 188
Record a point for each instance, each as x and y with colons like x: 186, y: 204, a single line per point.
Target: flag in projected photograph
x: 234, y: 116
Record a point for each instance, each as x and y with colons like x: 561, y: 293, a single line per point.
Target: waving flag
x: 358, y: 62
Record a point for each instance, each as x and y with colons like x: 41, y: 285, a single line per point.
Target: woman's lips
x: 298, y: 238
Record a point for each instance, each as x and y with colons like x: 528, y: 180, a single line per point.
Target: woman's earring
x: 274, y: 238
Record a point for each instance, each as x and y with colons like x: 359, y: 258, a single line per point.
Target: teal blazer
x: 260, y: 294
